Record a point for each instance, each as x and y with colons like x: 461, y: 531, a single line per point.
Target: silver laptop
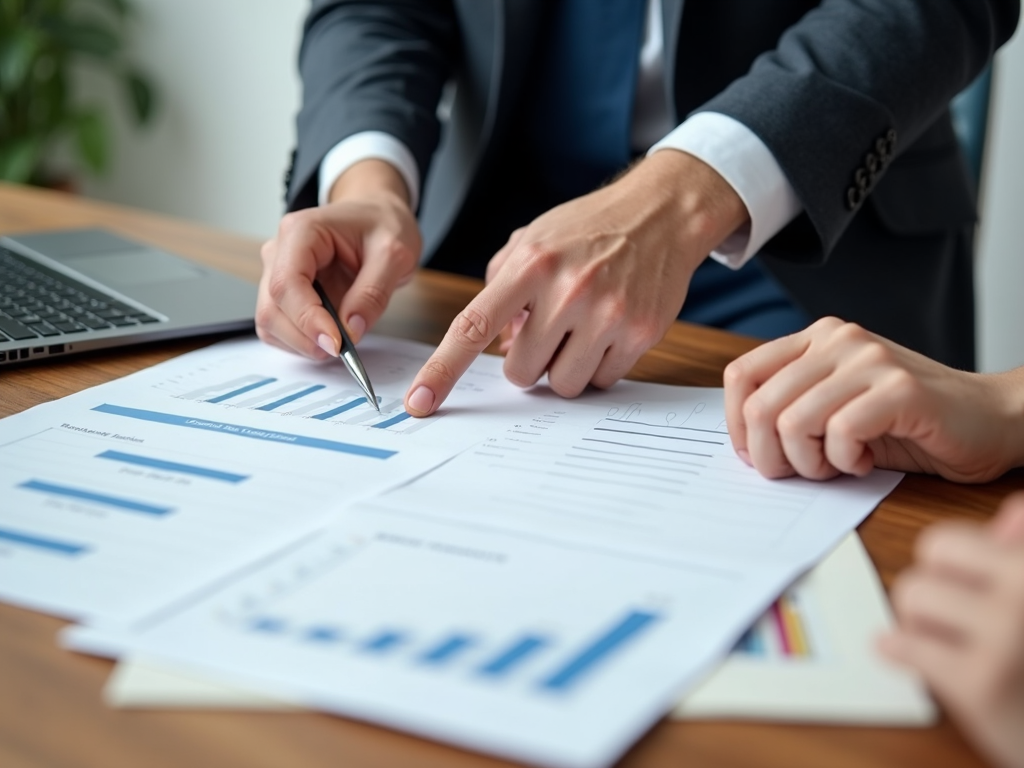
x: 67, y: 291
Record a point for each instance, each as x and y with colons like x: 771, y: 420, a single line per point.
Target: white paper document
x: 545, y: 595
x: 120, y: 498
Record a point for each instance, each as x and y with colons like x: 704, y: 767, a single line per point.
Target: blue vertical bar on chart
x: 514, y: 655
x: 323, y: 633
x: 103, y: 499
x: 384, y: 641
x: 392, y: 421
x: 342, y: 408
x: 586, y: 660
x: 751, y: 643
x: 40, y: 542
x: 447, y: 649
x: 241, y: 390
x: 291, y: 398
x: 171, y: 466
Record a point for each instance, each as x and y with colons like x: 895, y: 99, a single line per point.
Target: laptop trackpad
x: 134, y: 267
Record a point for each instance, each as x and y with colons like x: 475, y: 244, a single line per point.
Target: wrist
x: 371, y: 178
x: 705, y: 207
x: 1009, y: 393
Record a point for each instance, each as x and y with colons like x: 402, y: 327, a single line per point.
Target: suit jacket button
x: 860, y: 178
x: 871, y: 162
x: 854, y: 197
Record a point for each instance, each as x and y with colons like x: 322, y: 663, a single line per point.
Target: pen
x: 348, y: 353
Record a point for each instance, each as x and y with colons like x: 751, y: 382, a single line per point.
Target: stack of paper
x: 542, y: 580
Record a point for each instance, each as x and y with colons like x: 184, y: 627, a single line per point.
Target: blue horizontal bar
x: 242, y: 431
x: 97, y: 498
x: 240, y: 391
x: 342, y: 408
x: 269, y: 624
x: 290, y: 398
x: 447, y: 649
x: 61, y: 547
x: 392, y: 421
x: 172, y: 466
x: 627, y: 629
x: 384, y: 642
x: 516, y: 654
x: 323, y: 634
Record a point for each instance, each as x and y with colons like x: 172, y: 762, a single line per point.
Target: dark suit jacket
x: 849, y: 95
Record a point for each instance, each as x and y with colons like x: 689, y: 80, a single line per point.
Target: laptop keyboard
x: 38, y: 302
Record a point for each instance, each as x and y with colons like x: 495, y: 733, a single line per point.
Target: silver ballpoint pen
x: 348, y: 353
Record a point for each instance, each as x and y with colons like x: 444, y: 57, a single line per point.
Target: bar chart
x: 553, y: 667
x: 787, y: 630
x: 306, y: 399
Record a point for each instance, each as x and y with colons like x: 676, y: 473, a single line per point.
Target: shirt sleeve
x: 746, y: 163
x: 365, y: 146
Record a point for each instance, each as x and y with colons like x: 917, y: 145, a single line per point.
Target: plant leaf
x: 140, y: 95
x: 89, y: 37
x: 18, y: 52
x: 18, y: 159
x: 92, y: 140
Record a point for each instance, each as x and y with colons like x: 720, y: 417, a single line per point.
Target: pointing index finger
x: 471, y: 331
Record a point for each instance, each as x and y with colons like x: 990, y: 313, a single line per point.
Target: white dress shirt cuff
x: 743, y: 160
x: 365, y: 146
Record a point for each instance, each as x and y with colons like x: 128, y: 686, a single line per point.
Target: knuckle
x: 472, y: 328
x: 736, y: 372
x: 374, y: 298
x: 757, y: 413
x: 540, y: 259
x: 264, y: 316
x: 850, y: 333
x: 277, y: 287
x: 291, y: 222
x: 903, y: 385
x: 790, y: 422
x: 441, y: 371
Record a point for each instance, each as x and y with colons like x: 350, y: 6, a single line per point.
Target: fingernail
x: 356, y: 327
x: 744, y: 456
x: 326, y: 343
x: 422, y: 400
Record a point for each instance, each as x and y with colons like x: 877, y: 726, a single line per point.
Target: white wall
x: 227, y: 73
x: 1000, y: 265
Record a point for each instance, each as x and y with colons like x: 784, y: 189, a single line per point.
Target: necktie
x: 584, y: 100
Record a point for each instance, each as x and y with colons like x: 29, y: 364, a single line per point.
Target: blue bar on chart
x: 322, y: 634
x: 172, y: 466
x: 392, y: 421
x: 39, y: 542
x: 271, y: 625
x: 239, y: 430
x: 241, y: 390
x: 751, y: 643
x: 514, y: 655
x: 103, y: 499
x: 447, y: 649
x: 384, y: 641
x: 342, y: 408
x: 599, y: 650
x: 290, y: 398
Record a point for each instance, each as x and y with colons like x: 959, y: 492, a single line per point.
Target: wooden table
x: 51, y: 711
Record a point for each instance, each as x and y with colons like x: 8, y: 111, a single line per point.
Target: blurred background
x: 216, y: 146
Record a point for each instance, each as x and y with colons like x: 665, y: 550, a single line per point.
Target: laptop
x: 68, y: 291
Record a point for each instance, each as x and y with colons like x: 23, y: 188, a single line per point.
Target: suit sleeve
x: 370, y: 66
x: 852, y: 85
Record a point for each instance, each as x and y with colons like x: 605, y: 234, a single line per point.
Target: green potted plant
x: 42, y: 45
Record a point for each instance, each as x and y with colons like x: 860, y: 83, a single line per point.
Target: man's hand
x: 961, y: 626
x: 835, y: 398
x: 361, y: 245
x: 591, y: 284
